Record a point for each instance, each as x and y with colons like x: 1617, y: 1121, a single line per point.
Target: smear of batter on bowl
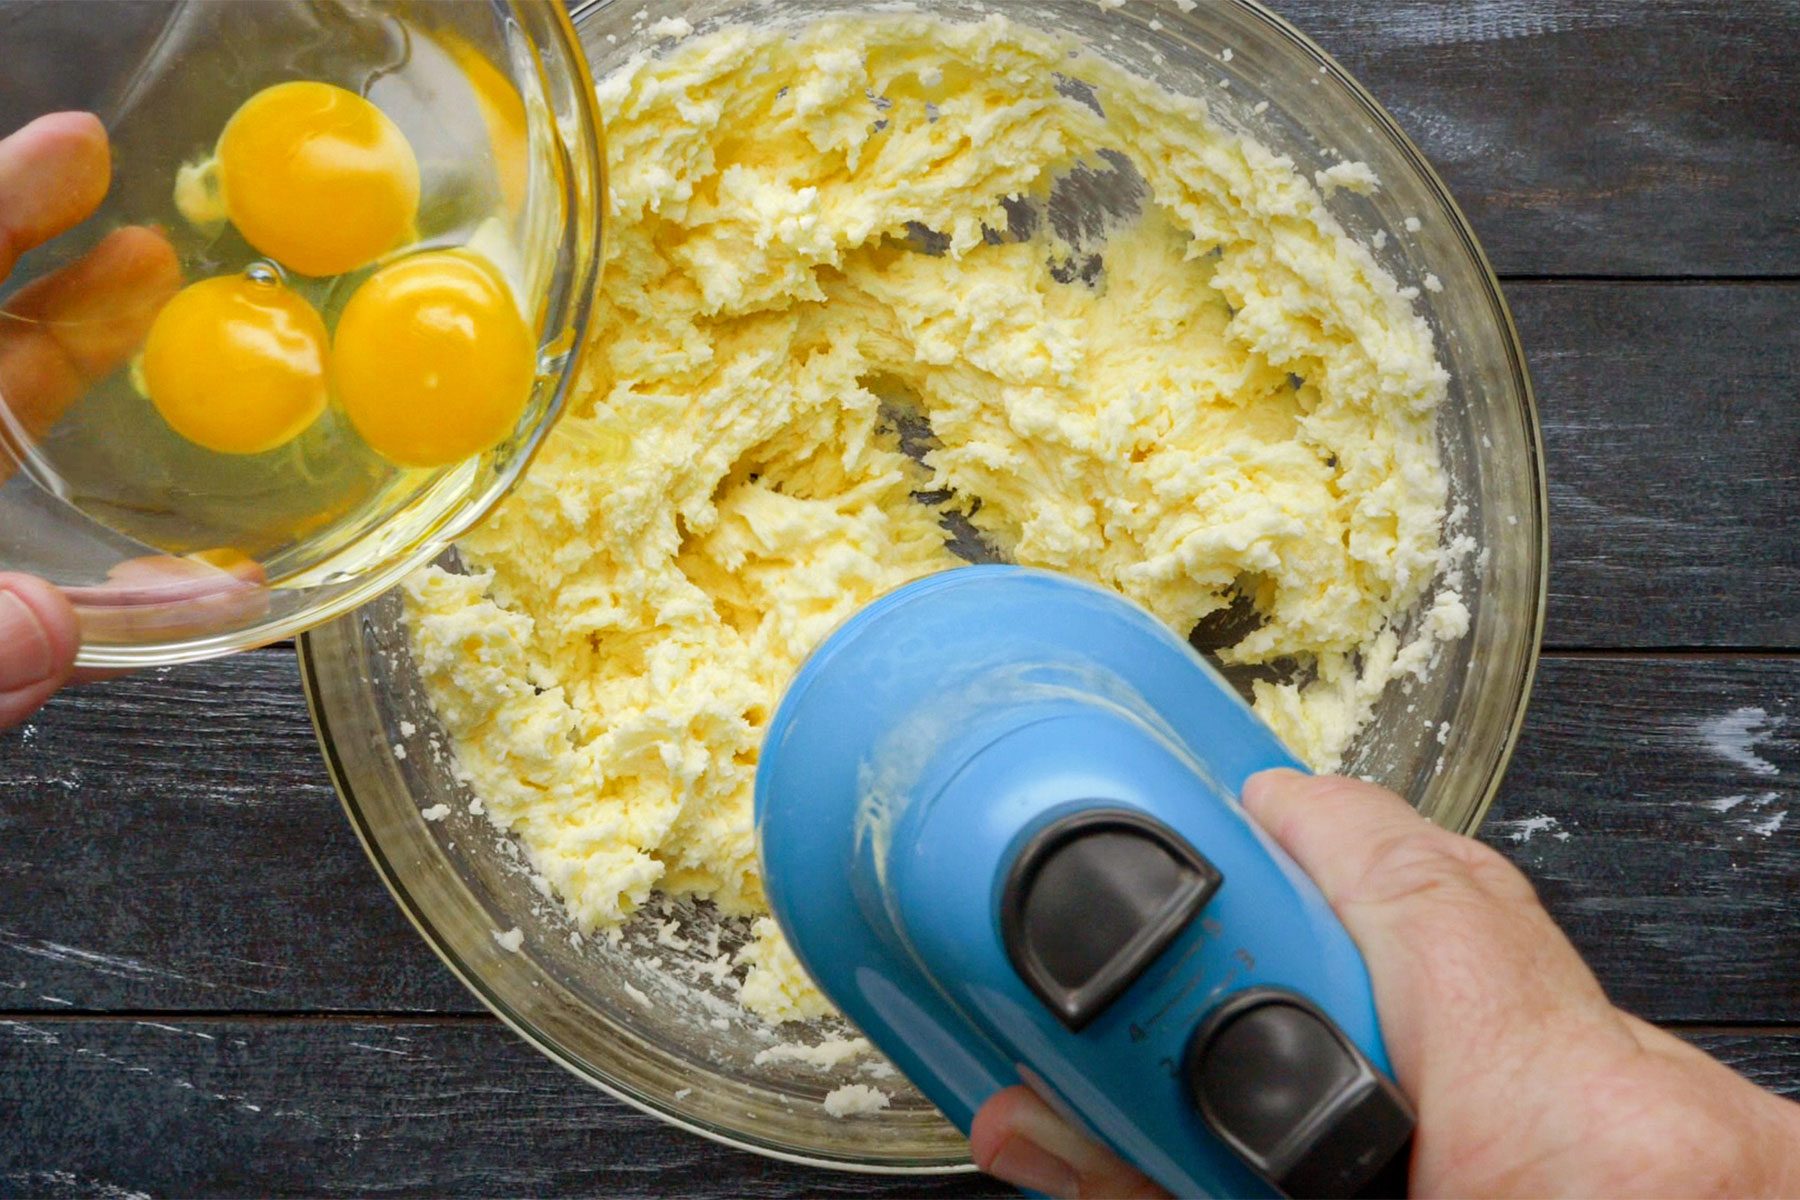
x: 834, y: 245
x: 855, y: 1099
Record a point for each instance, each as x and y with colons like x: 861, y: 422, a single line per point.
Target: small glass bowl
x: 627, y: 1017
x: 171, y: 552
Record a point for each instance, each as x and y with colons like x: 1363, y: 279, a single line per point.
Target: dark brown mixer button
x: 1092, y: 900
x: 1281, y: 1084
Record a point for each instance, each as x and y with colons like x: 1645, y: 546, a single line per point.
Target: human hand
x: 1527, y: 1081
x: 53, y: 173
x: 58, y: 335
x: 62, y: 333
x: 38, y: 638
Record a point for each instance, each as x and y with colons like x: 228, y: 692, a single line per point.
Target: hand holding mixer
x: 999, y: 825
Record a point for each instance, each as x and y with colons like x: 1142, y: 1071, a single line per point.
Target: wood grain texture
x: 1672, y: 446
x: 305, y: 1107
x: 214, y: 871
x: 172, y: 840
x: 1656, y: 803
x: 1770, y: 1061
x: 1594, y: 137
x: 308, y: 1107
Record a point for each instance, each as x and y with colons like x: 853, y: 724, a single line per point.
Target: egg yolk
x: 431, y: 359
x: 317, y: 178
x: 236, y: 364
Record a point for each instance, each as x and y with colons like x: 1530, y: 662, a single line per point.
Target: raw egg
x: 432, y: 360
x: 317, y: 178
x: 237, y: 364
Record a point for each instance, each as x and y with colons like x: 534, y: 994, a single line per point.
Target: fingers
x: 81, y: 323
x: 164, y: 596
x: 38, y: 639
x: 1017, y: 1138
x: 100, y: 307
x: 53, y: 174
x: 1348, y: 835
x: 1453, y: 935
x: 62, y: 332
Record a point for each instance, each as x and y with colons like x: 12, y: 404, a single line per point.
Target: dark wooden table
x: 205, y: 989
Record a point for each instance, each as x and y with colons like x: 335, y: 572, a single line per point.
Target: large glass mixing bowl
x: 640, y: 1018
x: 173, y: 549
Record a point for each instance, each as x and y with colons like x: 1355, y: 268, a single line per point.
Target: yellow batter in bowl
x: 824, y: 243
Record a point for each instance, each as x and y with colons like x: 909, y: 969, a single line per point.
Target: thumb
x: 1457, y: 945
x: 1017, y: 1138
x: 38, y: 638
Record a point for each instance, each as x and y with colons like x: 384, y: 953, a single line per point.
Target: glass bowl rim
x: 521, y: 1025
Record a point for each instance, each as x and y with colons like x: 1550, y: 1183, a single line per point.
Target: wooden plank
x: 1767, y: 1060
x: 1672, y: 444
x: 315, y: 1107
x: 172, y: 840
x: 318, y: 1107
x: 1657, y: 805
x: 173, y: 845
x: 1594, y: 137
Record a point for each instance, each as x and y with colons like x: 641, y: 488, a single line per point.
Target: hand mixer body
x: 999, y: 826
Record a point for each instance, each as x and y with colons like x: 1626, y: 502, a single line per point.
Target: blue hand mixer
x: 999, y: 825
